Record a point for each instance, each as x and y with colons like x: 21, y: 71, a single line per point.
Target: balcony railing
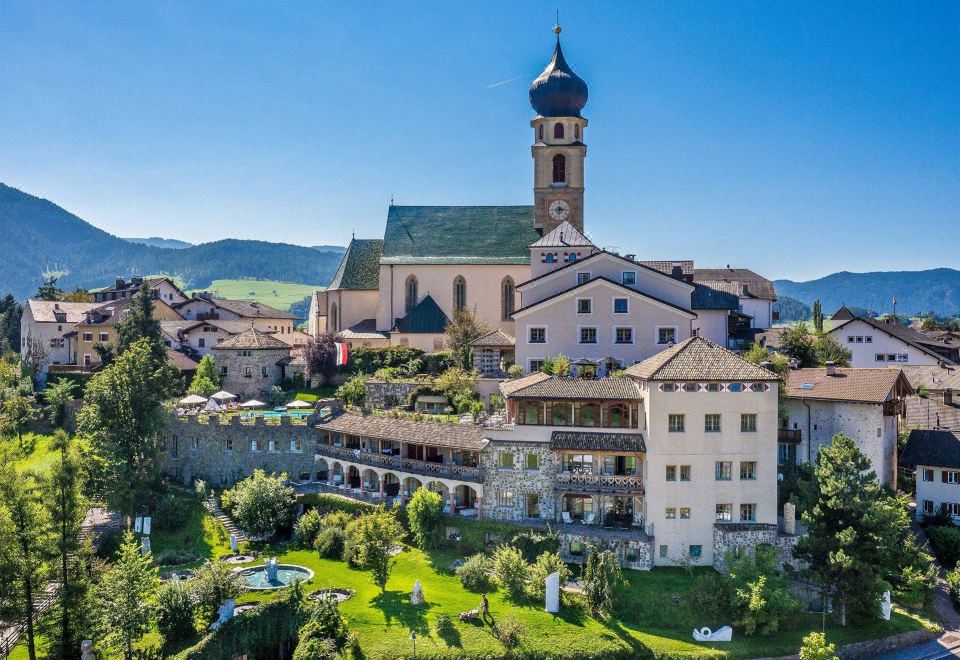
x: 599, y: 482
x: 413, y: 466
x: 208, y: 316
x: 788, y: 435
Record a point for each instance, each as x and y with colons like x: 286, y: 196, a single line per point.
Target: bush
x: 201, y: 489
x: 353, y: 391
x: 601, y: 578
x: 170, y: 512
x: 474, y: 574
x: 174, y: 610
x: 515, y: 371
x: 261, y: 504
x: 213, y: 583
x: 329, y: 543
x: 946, y: 543
x: 435, y: 363
x: 532, y: 543
x: 307, y: 527
x: 510, y: 631
x: 325, y: 626
x: 761, y: 597
x: 547, y: 563
x: 509, y: 571
x: 711, y: 596
x: 425, y: 518
x: 443, y: 626
x: 176, y: 556
x: 953, y: 584
x: 815, y: 647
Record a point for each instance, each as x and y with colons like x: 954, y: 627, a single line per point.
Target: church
x: 530, y: 273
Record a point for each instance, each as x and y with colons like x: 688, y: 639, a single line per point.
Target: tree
x: 34, y: 355
x: 10, y: 311
x: 425, y: 518
x: 374, y: 535
x: 817, y: 317
x: 827, y: 349
x: 601, y: 579
x: 462, y: 329
x: 325, y: 633
x: 66, y: 509
x: 353, y: 391
x: 174, y: 610
x: 320, y: 355
x: 205, y: 381
x: 546, y: 564
x: 761, y: 597
x: 126, y: 597
x: 28, y: 546
x: 261, y: 503
x: 57, y: 395
x: 212, y: 583
x: 460, y: 386
x: 815, y: 647
x: 16, y: 413
x: 48, y: 289
x: 510, y: 570
x: 124, y: 418
x: 797, y: 344
x: 558, y: 365
x: 856, y: 542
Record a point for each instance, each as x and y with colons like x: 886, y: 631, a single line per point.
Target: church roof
x: 458, y: 235
x: 359, y: 268
x: 558, y: 91
x: 425, y: 317
x: 563, y: 235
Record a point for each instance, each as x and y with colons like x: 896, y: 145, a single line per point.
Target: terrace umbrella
x: 252, y: 403
x: 212, y: 406
x: 192, y: 400
x: 299, y: 404
x: 223, y: 396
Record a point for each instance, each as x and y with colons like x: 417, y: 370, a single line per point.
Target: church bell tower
x: 558, y: 95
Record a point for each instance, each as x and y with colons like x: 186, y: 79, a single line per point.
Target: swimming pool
x: 277, y: 413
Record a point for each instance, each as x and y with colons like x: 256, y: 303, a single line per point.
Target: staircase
x: 211, y: 505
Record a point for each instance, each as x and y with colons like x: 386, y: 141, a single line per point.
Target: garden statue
x: 724, y: 634
x: 137, y: 524
x: 86, y: 650
x: 416, y: 596
x: 271, y: 565
x: 885, y: 606
x: 145, y: 546
x: 233, y: 544
x: 225, y: 613
x: 553, y: 593
x: 146, y: 525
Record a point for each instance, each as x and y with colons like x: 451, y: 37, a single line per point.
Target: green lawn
x: 35, y: 455
x: 269, y: 292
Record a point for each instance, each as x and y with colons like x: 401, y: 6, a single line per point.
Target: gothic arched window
x: 459, y: 292
x: 558, y: 131
x: 411, y: 293
x: 334, y: 318
x: 506, y: 297
x: 559, y: 169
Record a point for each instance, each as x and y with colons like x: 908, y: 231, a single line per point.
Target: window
x: 891, y: 357
x: 505, y: 460
x: 583, y: 278
x: 684, y: 473
x: 223, y: 371
x: 927, y: 474
x: 621, y: 306
x: 695, y: 551
x: 684, y: 513
x: 195, y: 442
x: 549, y: 258
x: 850, y: 339
x: 711, y: 423
x: 254, y: 445
x: 724, y: 470
x: 663, y: 551
x: 559, y: 169
x: 272, y: 445
x: 758, y: 387
x: 296, y: 445
x: 507, y: 298
x: 859, y: 340
x: 748, y: 512
x: 505, y: 498
x: 928, y: 507
x: 670, y: 513
x: 540, y: 133
x: 588, y: 335
x: 868, y: 339
x: 558, y: 131
x: 748, y: 423
x: 535, y: 365
x: 903, y: 357
x: 584, y: 305
x: 87, y: 336
x: 675, y: 423
x: 202, y: 342
x: 104, y: 336
x: 86, y: 359
x: 572, y: 257
x: 537, y: 336
x: 459, y: 292
x: 228, y: 444
x: 748, y: 470
x: 666, y: 335
x: 671, y: 473
x: 578, y: 463
x: 725, y: 512
x: 531, y: 462
x: 879, y: 357
x: 690, y: 387
x: 410, y: 293
x: 713, y: 387
x: 532, y: 505
x: 735, y: 387
x: 629, y: 277
x: 623, y: 335
x: 248, y: 372
x: 576, y: 548
x: 668, y: 387
x: 263, y: 371
x: 950, y: 476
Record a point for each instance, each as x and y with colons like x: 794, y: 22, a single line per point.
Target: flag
x: 342, y: 354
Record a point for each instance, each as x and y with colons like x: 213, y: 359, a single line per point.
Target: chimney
x: 831, y: 368
x: 677, y: 271
x: 630, y: 257
x: 56, y: 305
x: 766, y: 364
x: 948, y: 397
x: 744, y: 290
x: 119, y: 282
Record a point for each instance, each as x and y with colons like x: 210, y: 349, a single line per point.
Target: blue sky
x: 797, y: 139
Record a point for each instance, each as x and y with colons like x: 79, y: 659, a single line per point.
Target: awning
x: 192, y: 400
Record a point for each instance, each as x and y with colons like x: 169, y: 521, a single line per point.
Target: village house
x: 164, y: 288
x: 936, y: 401
x: 206, y: 307
x: 49, y: 325
x: 934, y: 457
x: 875, y: 343
x: 251, y: 362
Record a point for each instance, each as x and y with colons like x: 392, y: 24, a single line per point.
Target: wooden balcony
x: 571, y: 482
x: 788, y: 435
x: 400, y: 464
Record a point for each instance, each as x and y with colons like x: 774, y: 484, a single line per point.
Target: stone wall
x: 518, y: 481
x: 743, y: 538
x: 635, y: 554
x: 241, y: 362
x: 388, y: 394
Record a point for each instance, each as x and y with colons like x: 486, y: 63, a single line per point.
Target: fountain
x: 273, y: 575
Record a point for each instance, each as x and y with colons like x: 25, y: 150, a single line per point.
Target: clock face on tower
x: 559, y: 210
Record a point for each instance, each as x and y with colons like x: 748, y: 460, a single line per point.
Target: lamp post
x: 413, y: 638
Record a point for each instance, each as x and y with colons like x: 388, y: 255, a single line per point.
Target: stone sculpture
x: 271, y: 565
x: 137, y: 524
x: 553, y: 593
x: 885, y: 606
x: 86, y: 650
x: 233, y: 544
x: 724, y: 634
x: 416, y: 596
x: 789, y: 519
x: 225, y: 613
x: 147, y: 525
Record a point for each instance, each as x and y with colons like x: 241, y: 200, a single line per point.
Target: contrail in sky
x: 504, y: 82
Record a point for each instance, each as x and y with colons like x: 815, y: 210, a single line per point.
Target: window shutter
x: 943, y: 476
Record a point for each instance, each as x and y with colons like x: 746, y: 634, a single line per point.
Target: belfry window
x: 333, y: 318
x: 559, y: 169
x: 558, y: 131
x: 411, y: 293
x: 507, y: 298
x: 540, y: 133
x: 459, y: 292
x: 576, y: 131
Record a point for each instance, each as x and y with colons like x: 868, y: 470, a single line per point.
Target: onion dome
x: 558, y: 91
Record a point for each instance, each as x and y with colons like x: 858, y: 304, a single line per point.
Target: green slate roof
x: 458, y: 235
x: 426, y: 316
x: 359, y: 268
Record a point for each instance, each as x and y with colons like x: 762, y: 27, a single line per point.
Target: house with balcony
x: 205, y: 306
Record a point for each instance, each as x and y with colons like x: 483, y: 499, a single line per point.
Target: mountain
x: 39, y: 236
x: 156, y: 241
x: 329, y: 248
x: 791, y: 309
x: 936, y: 290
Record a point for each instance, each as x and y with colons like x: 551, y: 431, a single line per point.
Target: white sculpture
x: 885, y: 606
x: 416, y: 596
x: 233, y: 544
x: 553, y: 593
x: 271, y: 565
x: 146, y: 525
x: 789, y: 519
x: 145, y: 545
x: 724, y: 634
x: 86, y: 650
x: 137, y: 524
x: 225, y: 613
